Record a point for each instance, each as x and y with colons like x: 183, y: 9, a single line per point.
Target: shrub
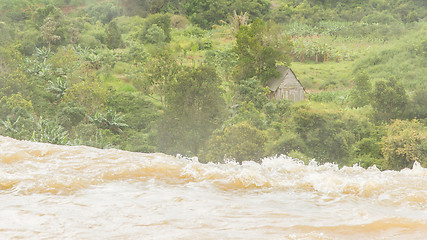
x: 154, y: 34
x: 70, y: 115
x: 405, y: 143
x: 88, y: 94
x: 179, y: 21
x: 242, y: 142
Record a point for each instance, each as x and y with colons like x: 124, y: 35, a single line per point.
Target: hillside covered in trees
x: 189, y: 77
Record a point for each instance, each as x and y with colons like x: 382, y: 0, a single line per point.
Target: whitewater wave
x: 78, y: 192
x: 28, y: 167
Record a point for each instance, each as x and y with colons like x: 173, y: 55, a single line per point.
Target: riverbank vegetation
x: 188, y: 77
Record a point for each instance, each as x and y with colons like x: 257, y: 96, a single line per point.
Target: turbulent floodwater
x: 62, y: 192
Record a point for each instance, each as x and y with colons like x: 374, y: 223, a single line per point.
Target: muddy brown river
x: 75, y: 192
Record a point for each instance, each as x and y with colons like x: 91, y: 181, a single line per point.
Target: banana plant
x: 111, y: 120
x: 10, y: 125
x: 57, y: 87
x: 50, y: 132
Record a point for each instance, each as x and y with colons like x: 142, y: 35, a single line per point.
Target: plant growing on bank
x: 49, y: 132
x: 241, y: 142
x: 57, y: 87
x: 404, y: 144
x: 11, y: 125
x: 111, y: 120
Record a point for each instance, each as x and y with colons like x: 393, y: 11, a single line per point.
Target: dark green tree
x: 194, y: 109
x: 114, y: 38
x: 359, y: 94
x: 327, y: 134
x: 417, y: 105
x: 255, y: 8
x: 205, y: 13
x: 251, y: 90
x: 388, y: 100
x: 146, y: 7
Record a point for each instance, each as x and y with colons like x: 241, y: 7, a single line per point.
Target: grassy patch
x: 324, y: 76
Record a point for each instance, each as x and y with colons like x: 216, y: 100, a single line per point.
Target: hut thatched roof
x: 274, y: 83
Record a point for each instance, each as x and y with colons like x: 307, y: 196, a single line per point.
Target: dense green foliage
x: 189, y: 77
x: 194, y: 109
x: 259, y: 47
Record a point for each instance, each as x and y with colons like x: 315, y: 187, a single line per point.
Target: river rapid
x: 75, y: 192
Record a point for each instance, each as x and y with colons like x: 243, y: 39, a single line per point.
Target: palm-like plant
x: 57, y: 87
x: 10, y: 125
x: 50, y: 132
x: 111, y: 120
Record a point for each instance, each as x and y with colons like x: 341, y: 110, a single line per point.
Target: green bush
x: 89, y: 135
x: 139, y: 142
x: 18, y: 123
x: 70, y: 115
x: 379, y: 17
x: 154, y: 34
x: 322, y: 125
x: 179, y: 21
x: 367, y: 146
x: 404, y: 143
x: 157, y: 29
x: 241, y: 142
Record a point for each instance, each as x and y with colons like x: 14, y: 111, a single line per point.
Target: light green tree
x: 405, y: 143
x: 259, y: 47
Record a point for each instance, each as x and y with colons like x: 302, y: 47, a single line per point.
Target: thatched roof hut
x: 286, y: 86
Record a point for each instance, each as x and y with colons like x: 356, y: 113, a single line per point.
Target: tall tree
x: 194, y: 109
x: 359, y: 94
x: 114, y: 38
x: 388, y: 100
x: 159, y: 73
